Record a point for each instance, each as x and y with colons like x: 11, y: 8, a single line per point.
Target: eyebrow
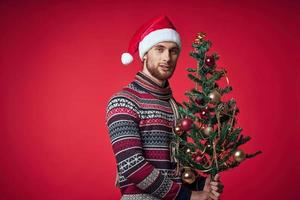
x: 161, y: 46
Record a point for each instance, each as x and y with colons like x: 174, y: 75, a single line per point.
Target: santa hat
x: 159, y: 29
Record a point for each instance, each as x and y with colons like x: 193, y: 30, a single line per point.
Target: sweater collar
x: 148, y: 84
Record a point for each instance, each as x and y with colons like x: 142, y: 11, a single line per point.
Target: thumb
x: 207, y: 184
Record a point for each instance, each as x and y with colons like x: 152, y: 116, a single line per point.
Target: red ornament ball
x: 199, y: 100
x: 210, y: 61
x: 186, y: 124
x: 204, y: 113
x: 198, y: 159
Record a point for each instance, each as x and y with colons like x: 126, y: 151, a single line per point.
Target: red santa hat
x: 159, y: 29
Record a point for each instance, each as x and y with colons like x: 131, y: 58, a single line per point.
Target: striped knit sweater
x: 140, y: 120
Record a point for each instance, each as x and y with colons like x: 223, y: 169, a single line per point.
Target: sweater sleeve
x: 122, y: 120
x: 198, y: 185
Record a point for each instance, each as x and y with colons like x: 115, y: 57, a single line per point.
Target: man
x: 140, y: 120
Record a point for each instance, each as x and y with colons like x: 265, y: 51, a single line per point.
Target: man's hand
x: 213, y: 187
x: 200, y: 195
x: 211, y: 190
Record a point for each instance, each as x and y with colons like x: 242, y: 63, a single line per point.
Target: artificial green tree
x: 207, y: 139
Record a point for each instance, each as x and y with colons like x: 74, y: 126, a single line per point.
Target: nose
x: 166, y: 56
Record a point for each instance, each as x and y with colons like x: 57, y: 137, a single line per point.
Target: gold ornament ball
x: 215, y: 97
x: 208, y: 131
x: 178, y: 130
x: 201, y: 35
x: 188, y: 176
x: 188, y: 151
x: 239, y: 156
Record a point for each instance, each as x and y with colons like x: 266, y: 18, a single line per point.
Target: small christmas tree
x: 206, y: 139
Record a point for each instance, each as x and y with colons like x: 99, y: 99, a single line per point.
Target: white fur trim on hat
x: 160, y: 35
x: 126, y: 58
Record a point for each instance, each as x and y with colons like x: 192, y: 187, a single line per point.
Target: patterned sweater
x: 140, y: 120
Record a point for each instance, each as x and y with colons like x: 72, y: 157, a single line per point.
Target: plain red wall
x: 60, y: 63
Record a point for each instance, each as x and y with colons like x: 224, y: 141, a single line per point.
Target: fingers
x: 214, y: 195
x: 214, y: 187
x: 214, y: 183
x: 217, y: 186
x: 217, y: 177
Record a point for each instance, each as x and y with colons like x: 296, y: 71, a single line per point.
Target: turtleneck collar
x: 148, y: 84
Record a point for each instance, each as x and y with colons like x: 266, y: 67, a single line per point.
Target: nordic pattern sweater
x: 140, y: 120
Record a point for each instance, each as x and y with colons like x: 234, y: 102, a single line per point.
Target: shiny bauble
x: 239, y: 156
x: 208, y: 131
x: 178, y: 130
x: 201, y: 35
x: 188, y: 176
x: 186, y: 124
x: 198, y: 159
x: 215, y: 97
x: 204, y: 113
x: 210, y: 61
x: 188, y: 151
x: 199, y: 100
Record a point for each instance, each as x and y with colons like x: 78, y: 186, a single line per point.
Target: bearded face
x: 161, y: 59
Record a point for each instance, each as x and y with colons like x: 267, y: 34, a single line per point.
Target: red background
x: 60, y: 63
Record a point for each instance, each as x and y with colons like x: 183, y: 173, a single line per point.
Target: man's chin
x: 161, y: 74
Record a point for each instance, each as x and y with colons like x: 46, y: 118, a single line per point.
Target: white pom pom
x: 126, y: 58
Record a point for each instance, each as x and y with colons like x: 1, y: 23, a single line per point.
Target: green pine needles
x: 207, y: 139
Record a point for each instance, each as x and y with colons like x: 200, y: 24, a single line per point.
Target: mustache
x: 165, y: 65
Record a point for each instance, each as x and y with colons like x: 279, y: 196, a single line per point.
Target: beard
x: 158, y: 71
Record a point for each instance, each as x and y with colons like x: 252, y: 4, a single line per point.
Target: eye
x: 174, y: 51
x: 159, y: 49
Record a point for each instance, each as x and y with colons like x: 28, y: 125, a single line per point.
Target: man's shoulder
x: 124, y: 96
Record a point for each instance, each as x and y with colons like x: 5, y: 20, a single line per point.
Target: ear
x: 145, y: 56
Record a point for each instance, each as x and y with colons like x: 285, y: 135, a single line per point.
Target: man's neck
x: 159, y: 82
